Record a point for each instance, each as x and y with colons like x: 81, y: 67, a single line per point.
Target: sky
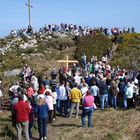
x: 92, y: 13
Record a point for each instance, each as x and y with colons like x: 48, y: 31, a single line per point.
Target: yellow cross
x: 67, y: 61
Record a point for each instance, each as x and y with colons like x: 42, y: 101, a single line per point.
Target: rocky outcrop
x: 13, y: 72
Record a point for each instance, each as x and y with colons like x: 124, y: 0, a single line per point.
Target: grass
x: 108, y: 125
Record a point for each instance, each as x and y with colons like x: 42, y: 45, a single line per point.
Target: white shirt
x: 77, y: 79
x: 94, y: 90
x: 49, y: 101
x: 129, y: 92
x: 62, y: 93
x: 54, y: 94
x: 1, y: 93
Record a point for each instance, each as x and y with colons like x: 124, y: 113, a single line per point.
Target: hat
x: 40, y: 96
x: 48, y: 90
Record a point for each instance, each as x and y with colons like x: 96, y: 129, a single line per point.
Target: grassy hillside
x: 107, y: 125
x: 128, y: 51
x: 92, y: 45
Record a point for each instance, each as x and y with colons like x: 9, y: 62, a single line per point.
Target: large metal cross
x: 29, y: 11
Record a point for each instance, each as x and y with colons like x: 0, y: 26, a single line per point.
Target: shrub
x: 92, y: 45
x: 127, y: 54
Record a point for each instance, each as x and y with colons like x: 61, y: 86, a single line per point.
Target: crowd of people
x: 73, y: 29
x: 94, y: 85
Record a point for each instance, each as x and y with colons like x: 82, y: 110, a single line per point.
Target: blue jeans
x: 114, y: 101
x: 89, y: 113
x: 30, y: 129
x: 42, y: 127
x: 124, y: 101
x: 104, y: 98
x: 63, y: 104
x: 58, y: 105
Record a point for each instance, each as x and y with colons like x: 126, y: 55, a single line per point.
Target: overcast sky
x: 93, y: 13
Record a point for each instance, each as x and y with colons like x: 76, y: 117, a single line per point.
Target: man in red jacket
x: 22, y: 110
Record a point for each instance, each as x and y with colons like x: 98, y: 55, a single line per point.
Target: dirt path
x: 112, y: 52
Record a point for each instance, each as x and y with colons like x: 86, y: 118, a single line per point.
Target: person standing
x: 113, y: 91
x: 88, y: 107
x: 49, y: 101
x: 1, y: 95
x: 95, y: 92
x: 22, y: 110
x: 129, y: 96
x: 75, y: 97
x: 63, y: 98
x: 103, y: 94
x: 84, y: 59
x: 42, y: 116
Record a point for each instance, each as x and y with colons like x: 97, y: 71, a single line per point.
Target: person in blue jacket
x: 42, y: 117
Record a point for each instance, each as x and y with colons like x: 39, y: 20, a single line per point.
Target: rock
x: 37, y: 55
x: 12, y: 72
x: 33, y: 41
x: 4, y: 49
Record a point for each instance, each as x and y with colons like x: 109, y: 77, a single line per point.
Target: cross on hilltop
x: 29, y: 11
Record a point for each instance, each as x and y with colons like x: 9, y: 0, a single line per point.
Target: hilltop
x: 41, y: 53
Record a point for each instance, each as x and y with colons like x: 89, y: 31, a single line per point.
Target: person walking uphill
x: 88, y: 107
x: 22, y: 110
x: 42, y: 116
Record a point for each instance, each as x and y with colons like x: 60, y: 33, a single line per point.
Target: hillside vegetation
x: 42, y: 56
x: 127, y: 54
x: 97, y: 45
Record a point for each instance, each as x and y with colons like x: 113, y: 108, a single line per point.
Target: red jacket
x: 22, y: 111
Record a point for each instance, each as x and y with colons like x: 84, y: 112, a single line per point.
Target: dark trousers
x: 42, y: 127
x: 30, y: 129
x: 130, y: 104
x: 54, y: 111
x: 50, y: 118
x: 63, y: 105
x: 97, y: 100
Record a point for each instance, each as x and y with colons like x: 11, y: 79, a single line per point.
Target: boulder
x: 13, y: 72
